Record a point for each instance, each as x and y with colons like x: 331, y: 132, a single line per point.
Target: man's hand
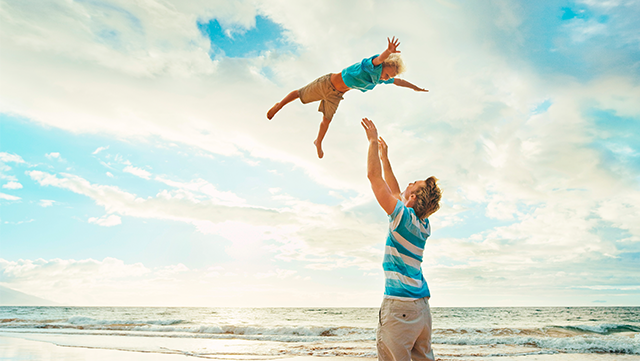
x: 382, y: 148
x: 421, y: 89
x: 370, y: 129
x: 392, y: 46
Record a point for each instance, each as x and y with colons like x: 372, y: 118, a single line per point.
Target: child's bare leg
x: 286, y: 100
x: 324, y: 126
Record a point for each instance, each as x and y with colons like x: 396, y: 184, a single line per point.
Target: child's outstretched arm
x: 392, y: 48
x: 406, y: 84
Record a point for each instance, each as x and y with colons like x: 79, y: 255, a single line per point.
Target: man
x: 404, y: 331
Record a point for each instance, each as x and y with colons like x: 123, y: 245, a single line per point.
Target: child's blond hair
x: 395, y: 61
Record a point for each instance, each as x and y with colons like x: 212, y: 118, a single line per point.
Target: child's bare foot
x: 318, y: 148
x: 274, y: 109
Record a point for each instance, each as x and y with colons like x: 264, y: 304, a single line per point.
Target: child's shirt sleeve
x: 367, y: 64
x: 375, y: 71
x: 364, y: 75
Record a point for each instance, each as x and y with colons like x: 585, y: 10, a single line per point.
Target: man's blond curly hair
x: 427, y: 198
x: 395, y: 61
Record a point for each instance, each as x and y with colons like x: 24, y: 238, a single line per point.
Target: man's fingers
x: 366, y: 123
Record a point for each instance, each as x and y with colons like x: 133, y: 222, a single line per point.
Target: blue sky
x: 241, y: 42
x: 138, y: 168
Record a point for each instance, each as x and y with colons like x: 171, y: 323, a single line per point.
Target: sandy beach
x: 19, y: 349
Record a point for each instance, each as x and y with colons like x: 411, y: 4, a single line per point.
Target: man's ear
x: 411, y: 200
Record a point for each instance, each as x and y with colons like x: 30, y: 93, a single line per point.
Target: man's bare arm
x: 381, y: 190
x: 389, y: 177
x: 392, y: 47
x: 406, y: 84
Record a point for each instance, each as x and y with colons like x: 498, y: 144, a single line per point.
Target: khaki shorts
x: 404, y: 331
x: 322, y: 89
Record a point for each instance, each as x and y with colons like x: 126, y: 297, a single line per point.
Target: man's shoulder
x: 407, y: 217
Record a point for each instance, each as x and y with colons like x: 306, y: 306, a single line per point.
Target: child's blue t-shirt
x: 364, y: 75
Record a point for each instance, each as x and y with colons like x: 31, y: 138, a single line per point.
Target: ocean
x: 266, y: 333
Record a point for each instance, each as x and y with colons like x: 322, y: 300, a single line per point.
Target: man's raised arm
x: 389, y: 177
x: 381, y: 190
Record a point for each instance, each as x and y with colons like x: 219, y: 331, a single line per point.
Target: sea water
x: 246, y: 333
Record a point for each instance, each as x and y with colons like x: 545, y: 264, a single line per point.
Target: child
x: 363, y: 76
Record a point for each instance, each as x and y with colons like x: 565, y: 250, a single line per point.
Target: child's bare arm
x: 392, y: 47
x: 406, y: 84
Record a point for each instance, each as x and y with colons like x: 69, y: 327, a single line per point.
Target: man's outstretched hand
x: 382, y: 148
x: 370, y: 129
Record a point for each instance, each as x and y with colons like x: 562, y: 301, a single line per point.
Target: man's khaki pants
x: 404, y: 331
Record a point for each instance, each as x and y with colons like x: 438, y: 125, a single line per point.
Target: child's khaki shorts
x: 322, y: 89
x: 404, y: 331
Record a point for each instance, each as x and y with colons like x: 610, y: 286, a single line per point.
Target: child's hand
x: 392, y: 45
x: 370, y: 129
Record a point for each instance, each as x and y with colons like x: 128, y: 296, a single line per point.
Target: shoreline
x: 18, y: 347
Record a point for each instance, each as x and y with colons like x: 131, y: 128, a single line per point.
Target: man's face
x: 387, y: 73
x: 412, y: 188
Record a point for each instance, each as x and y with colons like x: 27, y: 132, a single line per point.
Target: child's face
x: 388, y: 73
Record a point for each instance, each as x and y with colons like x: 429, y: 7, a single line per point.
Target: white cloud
x: 46, y: 203
x: 12, y: 185
x: 10, y: 158
x: 71, y: 281
x: 205, y: 188
x: 323, y: 236
x: 172, y: 270
x: 20, y: 222
x: 9, y: 197
x: 106, y: 221
x: 138, y: 172
x: 109, y: 175
x: 164, y: 206
x: 53, y: 155
x: 116, y: 283
x: 279, y: 273
x: 100, y: 149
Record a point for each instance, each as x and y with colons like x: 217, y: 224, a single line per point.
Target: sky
x: 138, y: 168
